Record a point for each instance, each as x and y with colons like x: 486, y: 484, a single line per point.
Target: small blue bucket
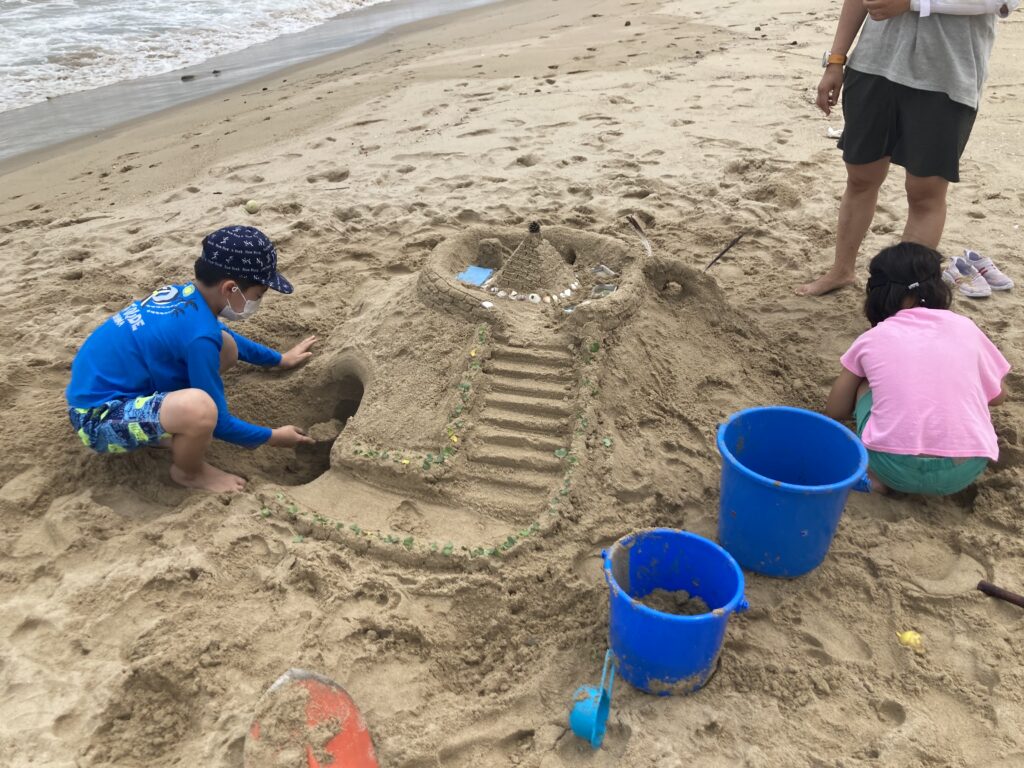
x: 786, y: 475
x: 663, y: 653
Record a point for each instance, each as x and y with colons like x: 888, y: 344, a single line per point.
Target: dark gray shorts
x: 923, y: 131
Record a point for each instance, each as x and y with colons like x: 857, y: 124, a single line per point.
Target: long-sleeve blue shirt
x: 166, y: 342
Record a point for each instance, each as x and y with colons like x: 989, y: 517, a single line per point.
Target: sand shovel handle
x: 609, y: 664
x: 992, y: 590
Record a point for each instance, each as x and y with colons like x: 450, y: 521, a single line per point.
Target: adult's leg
x: 228, y: 351
x: 856, y: 211
x: 926, y: 197
x: 190, y: 416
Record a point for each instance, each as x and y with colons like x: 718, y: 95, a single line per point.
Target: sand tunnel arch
x: 325, y: 409
x: 350, y: 397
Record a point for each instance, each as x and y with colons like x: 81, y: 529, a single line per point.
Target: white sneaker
x: 997, y: 280
x: 961, y: 275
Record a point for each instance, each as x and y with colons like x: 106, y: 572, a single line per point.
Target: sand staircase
x: 526, y: 417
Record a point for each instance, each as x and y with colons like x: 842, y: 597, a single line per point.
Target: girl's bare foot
x: 830, y: 281
x: 208, y: 478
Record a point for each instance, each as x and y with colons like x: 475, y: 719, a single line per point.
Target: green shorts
x: 917, y: 474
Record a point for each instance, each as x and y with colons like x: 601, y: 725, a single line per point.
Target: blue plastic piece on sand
x: 476, y: 275
x: 589, y: 715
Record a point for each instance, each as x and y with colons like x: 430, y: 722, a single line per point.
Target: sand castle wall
x: 438, y: 286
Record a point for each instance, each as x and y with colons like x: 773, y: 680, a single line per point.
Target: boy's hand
x: 829, y: 87
x: 880, y: 10
x: 297, y: 355
x: 289, y: 437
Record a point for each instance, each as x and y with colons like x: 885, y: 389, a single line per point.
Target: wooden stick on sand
x: 992, y: 590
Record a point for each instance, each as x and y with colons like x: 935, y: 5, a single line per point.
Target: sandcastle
x: 467, y: 424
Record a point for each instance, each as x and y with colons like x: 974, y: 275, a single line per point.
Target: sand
x: 460, y: 599
x: 679, y: 602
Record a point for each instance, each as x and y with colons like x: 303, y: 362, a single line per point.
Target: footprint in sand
x: 783, y: 135
x: 937, y: 569
x: 479, y: 132
x: 833, y: 640
x: 333, y: 176
x: 407, y: 518
x: 308, y: 310
x: 143, y: 245
x: 891, y: 712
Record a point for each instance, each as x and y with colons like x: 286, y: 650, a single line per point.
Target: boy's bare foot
x: 208, y: 478
x: 830, y: 281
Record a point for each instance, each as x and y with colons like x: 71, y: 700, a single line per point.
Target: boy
x: 152, y: 372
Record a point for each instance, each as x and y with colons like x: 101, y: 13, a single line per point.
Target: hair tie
x: 881, y: 281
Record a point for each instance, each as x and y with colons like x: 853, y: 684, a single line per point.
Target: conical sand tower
x: 534, y: 267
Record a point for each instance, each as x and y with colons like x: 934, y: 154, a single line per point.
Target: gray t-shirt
x: 943, y: 53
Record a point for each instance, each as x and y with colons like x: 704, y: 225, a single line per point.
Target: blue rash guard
x: 166, y: 342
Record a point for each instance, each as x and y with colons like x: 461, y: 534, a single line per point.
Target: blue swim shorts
x: 120, y: 426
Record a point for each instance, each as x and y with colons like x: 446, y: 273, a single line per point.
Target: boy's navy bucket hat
x: 247, y: 253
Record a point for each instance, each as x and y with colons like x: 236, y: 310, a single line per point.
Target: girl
x: 921, y: 381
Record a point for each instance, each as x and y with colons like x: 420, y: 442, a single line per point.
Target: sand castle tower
x: 534, y: 267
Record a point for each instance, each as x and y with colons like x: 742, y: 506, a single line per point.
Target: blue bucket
x: 786, y: 475
x: 663, y: 653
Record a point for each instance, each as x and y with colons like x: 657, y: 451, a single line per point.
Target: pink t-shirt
x: 932, y: 374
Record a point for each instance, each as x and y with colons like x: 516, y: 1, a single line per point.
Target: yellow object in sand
x: 252, y: 207
x: 911, y: 639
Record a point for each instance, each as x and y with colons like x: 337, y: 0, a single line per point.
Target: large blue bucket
x: 663, y: 653
x: 786, y: 474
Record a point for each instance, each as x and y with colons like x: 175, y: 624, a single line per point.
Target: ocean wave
x: 53, y: 47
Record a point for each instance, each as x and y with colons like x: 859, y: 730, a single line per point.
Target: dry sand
x: 139, y: 623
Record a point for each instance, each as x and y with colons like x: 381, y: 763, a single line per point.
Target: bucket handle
x: 863, y: 485
x: 609, y: 663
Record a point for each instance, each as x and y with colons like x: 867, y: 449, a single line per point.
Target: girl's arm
x: 843, y: 397
x: 1001, y: 397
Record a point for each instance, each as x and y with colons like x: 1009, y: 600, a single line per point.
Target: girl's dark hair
x: 212, y: 275
x: 901, y: 271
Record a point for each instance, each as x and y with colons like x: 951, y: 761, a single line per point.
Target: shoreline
x: 38, y: 128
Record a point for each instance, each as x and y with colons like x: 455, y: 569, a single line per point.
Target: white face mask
x: 250, y: 308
